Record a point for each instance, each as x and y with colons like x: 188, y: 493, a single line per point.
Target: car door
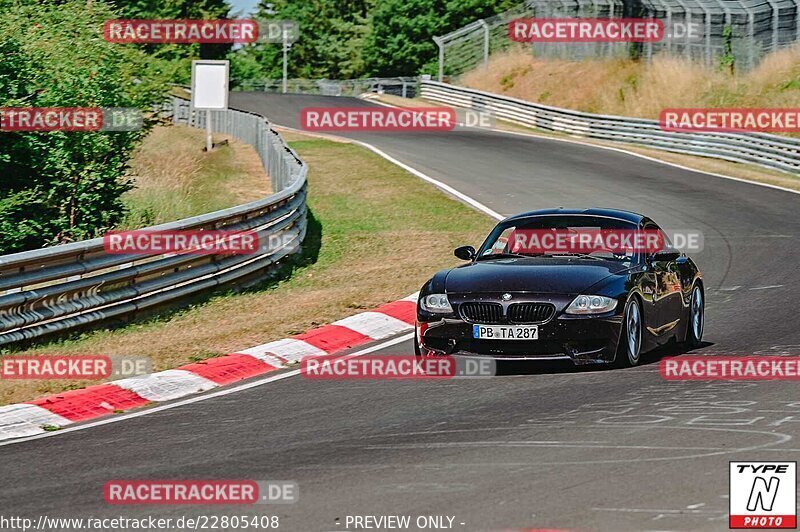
x: 668, y: 295
x: 648, y: 291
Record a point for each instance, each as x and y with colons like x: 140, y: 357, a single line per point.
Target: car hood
x: 536, y: 274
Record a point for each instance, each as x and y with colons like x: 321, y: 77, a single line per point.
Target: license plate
x: 505, y: 332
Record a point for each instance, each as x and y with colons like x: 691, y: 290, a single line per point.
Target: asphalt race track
x: 538, y: 447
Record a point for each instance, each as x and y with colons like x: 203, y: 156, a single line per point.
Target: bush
x: 63, y: 186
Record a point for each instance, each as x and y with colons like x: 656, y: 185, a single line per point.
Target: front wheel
x: 694, y: 332
x: 629, y: 350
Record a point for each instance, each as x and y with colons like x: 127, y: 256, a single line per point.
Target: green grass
x: 375, y: 234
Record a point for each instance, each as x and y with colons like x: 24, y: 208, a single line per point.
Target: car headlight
x: 591, y: 305
x: 437, y: 303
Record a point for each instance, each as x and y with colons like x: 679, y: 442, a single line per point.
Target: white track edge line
x: 435, y: 182
x: 544, y: 135
x: 438, y: 184
x: 655, y: 159
x: 199, y: 398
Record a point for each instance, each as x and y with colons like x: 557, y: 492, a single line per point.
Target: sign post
x: 210, y: 90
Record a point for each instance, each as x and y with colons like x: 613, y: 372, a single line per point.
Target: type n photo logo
x: 763, y: 495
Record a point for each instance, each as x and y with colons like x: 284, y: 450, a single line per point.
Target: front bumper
x: 583, y: 340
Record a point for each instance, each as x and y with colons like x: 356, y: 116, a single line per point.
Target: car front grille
x: 482, y: 312
x: 530, y: 312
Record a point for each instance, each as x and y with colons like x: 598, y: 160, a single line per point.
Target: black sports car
x: 604, y: 305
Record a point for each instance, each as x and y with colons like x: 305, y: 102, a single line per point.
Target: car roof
x: 607, y: 213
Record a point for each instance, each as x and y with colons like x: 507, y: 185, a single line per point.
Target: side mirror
x: 465, y: 252
x: 665, y: 255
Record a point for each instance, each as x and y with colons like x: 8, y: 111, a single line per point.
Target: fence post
x: 686, y: 17
x: 728, y: 19
x: 669, y: 25
x: 440, y: 44
x: 653, y: 13
x: 751, y: 30
x: 707, y: 31
x: 775, y: 23
x: 485, y: 41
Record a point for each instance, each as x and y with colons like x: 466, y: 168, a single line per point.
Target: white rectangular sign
x: 210, y: 84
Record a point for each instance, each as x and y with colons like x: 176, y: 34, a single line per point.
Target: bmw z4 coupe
x: 522, y: 297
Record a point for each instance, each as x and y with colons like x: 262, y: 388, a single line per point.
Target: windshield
x: 557, y: 236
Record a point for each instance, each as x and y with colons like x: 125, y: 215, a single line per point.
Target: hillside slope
x: 631, y: 88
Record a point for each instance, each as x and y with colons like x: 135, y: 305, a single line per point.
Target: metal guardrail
x: 771, y: 151
x: 400, y: 86
x: 59, y: 288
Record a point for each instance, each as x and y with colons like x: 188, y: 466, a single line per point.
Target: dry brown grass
x: 174, y: 178
x: 628, y: 88
x: 377, y: 242
x: 621, y: 87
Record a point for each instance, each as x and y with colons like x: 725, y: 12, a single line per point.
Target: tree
x: 179, y: 54
x: 400, y: 42
x: 330, y: 43
x: 64, y: 186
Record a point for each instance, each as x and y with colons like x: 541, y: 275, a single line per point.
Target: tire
x: 697, y: 320
x: 629, y: 350
x: 417, y: 352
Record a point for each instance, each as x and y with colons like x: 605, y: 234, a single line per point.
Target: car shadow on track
x: 509, y: 368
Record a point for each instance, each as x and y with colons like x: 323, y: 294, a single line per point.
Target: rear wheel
x: 694, y: 330
x: 629, y: 350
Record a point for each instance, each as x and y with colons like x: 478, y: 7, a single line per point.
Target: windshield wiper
x: 505, y: 256
x: 581, y: 255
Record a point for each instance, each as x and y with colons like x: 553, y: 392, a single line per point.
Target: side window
x: 666, y: 242
x: 652, y: 226
x: 503, y: 244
